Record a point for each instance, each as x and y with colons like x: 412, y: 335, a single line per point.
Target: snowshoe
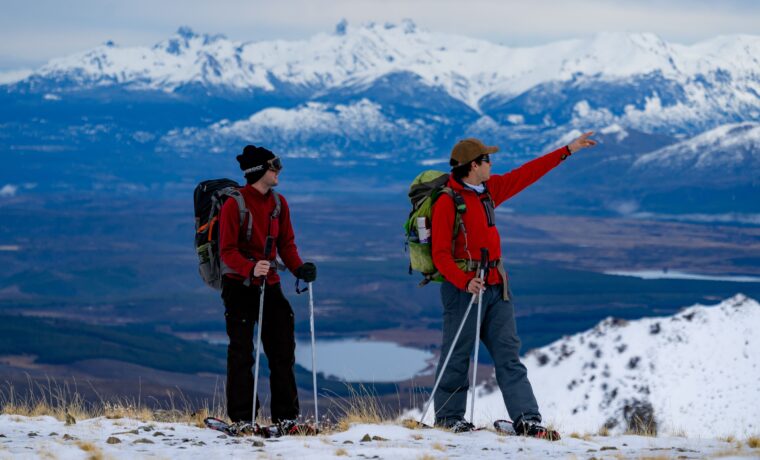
x: 504, y: 427
x: 233, y: 429
x: 458, y: 426
x: 293, y: 427
x: 535, y: 430
x: 286, y: 427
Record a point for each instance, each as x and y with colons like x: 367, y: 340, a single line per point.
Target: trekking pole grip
x: 483, y: 261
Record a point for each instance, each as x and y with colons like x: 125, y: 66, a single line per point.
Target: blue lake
x: 363, y: 360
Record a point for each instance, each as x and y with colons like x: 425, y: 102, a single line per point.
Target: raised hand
x: 582, y: 142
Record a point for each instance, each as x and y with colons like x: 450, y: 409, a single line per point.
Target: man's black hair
x: 460, y: 172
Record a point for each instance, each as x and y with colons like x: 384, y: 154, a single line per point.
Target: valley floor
x: 46, y: 437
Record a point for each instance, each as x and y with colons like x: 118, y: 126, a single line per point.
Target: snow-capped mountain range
x: 468, y: 69
x: 384, y: 93
x: 729, y: 149
x: 696, y: 372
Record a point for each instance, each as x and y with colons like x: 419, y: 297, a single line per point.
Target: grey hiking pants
x: 499, y: 334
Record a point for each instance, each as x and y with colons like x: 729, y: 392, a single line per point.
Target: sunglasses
x: 484, y: 159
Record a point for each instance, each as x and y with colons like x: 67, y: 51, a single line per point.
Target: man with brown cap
x: 457, y: 260
x: 247, y: 269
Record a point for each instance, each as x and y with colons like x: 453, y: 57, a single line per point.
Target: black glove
x: 306, y: 272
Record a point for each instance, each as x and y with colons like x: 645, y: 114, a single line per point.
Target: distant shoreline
x: 679, y: 275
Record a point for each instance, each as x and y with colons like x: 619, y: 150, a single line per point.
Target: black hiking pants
x: 241, y: 305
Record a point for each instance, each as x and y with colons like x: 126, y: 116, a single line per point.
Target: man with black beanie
x: 246, y: 270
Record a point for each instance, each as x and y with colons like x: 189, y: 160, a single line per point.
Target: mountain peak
x: 186, y: 32
x: 181, y: 40
x: 408, y: 26
x: 340, y: 27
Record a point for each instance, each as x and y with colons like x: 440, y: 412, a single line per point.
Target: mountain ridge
x: 673, y: 373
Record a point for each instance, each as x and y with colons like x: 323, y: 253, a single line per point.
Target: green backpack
x: 423, y: 192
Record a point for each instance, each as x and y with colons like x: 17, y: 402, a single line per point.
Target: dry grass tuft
x: 426, y: 457
x: 438, y: 446
x: 729, y: 439
x: 417, y: 437
x: 341, y: 452
x: 728, y: 453
x: 585, y: 437
x: 94, y: 452
x: 410, y: 423
x: 362, y: 405
x: 65, y: 403
x: 753, y: 442
x: 603, y: 431
x: 643, y: 428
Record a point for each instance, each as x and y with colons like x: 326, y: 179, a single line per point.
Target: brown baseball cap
x: 468, y: 150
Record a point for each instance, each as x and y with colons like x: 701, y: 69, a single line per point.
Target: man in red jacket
x: 246, y: 269
x: 471, y: 179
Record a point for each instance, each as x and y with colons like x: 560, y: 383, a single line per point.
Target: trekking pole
x: 267, y: 250
x: 483, y: 265
x: 313, y: 356
x: 446, y: 361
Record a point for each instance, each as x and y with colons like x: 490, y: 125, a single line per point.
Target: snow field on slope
x: 46, y: 437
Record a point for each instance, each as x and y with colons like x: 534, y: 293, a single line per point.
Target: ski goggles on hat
x: 275, y: 164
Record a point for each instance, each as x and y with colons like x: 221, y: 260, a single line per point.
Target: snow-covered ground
x: 46, y: 437
x: 696, y: 373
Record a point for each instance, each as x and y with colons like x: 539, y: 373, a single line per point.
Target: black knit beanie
x: 254, y: 161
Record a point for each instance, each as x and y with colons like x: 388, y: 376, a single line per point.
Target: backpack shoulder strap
x: 277, y: 205
x: 460, y: 207
x: 243, y: 210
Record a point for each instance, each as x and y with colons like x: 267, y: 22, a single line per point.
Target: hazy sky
x: 33, y: 31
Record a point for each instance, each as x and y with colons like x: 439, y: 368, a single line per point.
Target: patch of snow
x: 515, y: 119
x: 8, y: 77
x: 434, y: 161
x: 8, y: 191
x: 679, y: 275
x: 731, y: 217
x: 615, y: 129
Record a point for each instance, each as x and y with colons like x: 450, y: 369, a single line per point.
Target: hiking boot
x: 243, y: 428
x: 533, y: 429
x: 289, y: 427
x: 458, y: 425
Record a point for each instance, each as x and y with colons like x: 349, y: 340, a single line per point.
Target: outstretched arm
x: 505, y: 186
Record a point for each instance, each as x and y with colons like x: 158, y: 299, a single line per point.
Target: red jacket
x: 479, y: 234
x: 234, y: 250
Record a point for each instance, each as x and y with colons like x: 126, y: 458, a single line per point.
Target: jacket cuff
x: 250, y: 271
x: 461, y: 281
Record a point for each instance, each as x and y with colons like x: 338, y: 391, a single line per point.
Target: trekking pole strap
x: 298, y: 287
